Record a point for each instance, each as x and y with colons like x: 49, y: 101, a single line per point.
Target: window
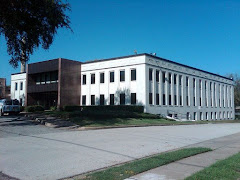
x: 43, y: 78
x: 92, y: 78
x: 194, y: 82
x: 122, y: 76
x: 16, y: 86
x: 101, y: 77
x: 84, y: 100
x: 157, y: 99
x: 180, y: 80
x: 201, y: 116
x: 187, y: 81
x: 112, y: 76
x: 187, y: 101
x: 92, y: 100
x: 206, y: 116
x: 175, y: 100
x: 133, y: 98
x: 38, y: 79
x: 163, y: 77
x: 164, y: 99
x: 170, y: 100
x: 150, y: 74
x: 122, y: 99
x: 175, y: 79
x: 84, y: 77
x: 170, y: 78
x: 181, y: 101
x: 101, y: 99
x: 195, y: 116
x: 133, y: 75
x: 48, y: 77
x: 150, y: 98
x: 21, y: 86
x: 111, y: 99
x: 157, y: 76
x: 211, y: 115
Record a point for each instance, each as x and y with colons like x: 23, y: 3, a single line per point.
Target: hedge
x: 126, y: 108
x: 35, y: 108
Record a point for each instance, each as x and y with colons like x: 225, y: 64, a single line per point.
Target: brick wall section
x: 69, y: 82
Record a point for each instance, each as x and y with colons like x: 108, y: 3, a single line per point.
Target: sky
x: 204, y: 34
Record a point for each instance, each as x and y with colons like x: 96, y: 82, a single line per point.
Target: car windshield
x: 15, y: 102
x: 8, y: 102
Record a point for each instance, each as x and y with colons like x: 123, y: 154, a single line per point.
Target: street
x: 32, y: 151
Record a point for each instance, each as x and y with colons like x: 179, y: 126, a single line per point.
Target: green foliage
x: 22, y: 108
x: 36, y: 108
x: 53, y: 108
x: 28, y: 23
x: 92, y: 109
x: 236, y: 80
x: 129, y: 169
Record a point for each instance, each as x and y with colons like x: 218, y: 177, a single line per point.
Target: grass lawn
x: 141, y: 119
x: 225, y: 169
x: 135, y: 167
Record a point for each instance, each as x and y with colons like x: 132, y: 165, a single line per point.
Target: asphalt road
x: 31, y: 151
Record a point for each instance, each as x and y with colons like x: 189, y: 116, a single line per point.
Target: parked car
x: 9, y: 106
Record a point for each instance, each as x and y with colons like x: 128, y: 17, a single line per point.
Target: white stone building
x: 162, y: 86
x: 18, y: 87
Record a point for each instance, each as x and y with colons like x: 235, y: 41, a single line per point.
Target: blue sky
x: 199, y: 33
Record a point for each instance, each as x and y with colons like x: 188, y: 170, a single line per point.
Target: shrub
x: 34, y: 108
x: 53, y: 108
x: 22, y: 108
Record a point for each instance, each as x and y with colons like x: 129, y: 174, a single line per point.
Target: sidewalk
x: 222, y: 148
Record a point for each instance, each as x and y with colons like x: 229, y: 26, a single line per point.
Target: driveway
x: 30, y: 151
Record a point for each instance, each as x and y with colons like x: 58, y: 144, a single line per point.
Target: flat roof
x: 153, y: 56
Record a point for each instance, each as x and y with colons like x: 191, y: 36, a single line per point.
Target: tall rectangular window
x: 112, y: 76
x: 180, y: 80
x: 164, y: 99
x: 175, y: 79
x: 163, y: 77
x: 101, y: 77
x: 122, y: 75
x: 133, y: 75
x: 175, y: 100
x: 21, y: 86
x: 170, y: 100
x: 150, y: 74
x: 187, y: 81
x: 84, y: 100
x: 157, y: 99
x: 84, y: 81
x: 157, y: 76
x: 111, y: 99
x: 133, y: 98
x: 122, y: 99
x: 92, y: 100
x: 92, y: 78
x: 16, y: 86
x: 150, y: 98
x: 170, y: 78
x: 102, y: 99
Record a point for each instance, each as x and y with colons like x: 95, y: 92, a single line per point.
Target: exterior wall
x: 2, y: 88
x: 69, y: 85
x: 127, y: 87
x: 219, y: 103
x: 19, y: 94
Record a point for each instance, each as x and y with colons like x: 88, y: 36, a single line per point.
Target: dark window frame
x: 84, y: 77
x: 111, y: 76
x: 122, y: 75
x: 133, y: 98
x: 133, y: 74
x: 93, y: 78
x: 102, y: 77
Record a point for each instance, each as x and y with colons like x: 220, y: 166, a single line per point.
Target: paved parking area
x: 30, y: 151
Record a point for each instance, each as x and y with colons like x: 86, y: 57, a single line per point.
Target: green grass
x: 225, y: 169
x: 138, y: 119
x: 135, y: 167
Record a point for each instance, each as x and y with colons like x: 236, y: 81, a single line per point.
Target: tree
x: 236, y: 80
x: 28, y: 23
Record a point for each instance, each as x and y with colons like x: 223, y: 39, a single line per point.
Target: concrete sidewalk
x: 222, y: 148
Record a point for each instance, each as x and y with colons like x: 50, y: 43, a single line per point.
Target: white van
x: 9, y: 106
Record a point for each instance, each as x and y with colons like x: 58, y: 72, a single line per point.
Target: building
x: 2, y: 88
x: 18, y: 87
x: 160, y: 85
